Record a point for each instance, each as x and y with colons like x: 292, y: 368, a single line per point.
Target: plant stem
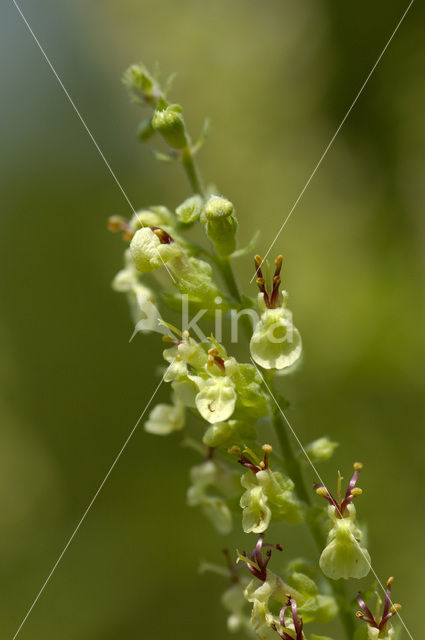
x: 225, y: 267
x: 192, y: 171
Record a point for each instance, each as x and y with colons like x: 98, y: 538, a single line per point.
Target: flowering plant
x: 240, y: 478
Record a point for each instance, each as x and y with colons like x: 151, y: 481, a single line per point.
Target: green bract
x: 268, y: 495
x: 275, y: 343
x: 190, y: 210
x: 344, y: 557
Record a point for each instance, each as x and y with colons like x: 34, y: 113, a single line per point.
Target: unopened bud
x: 169, y: 123
x: 141, y: 85
x: 220, y: 224
x: 190, y: 210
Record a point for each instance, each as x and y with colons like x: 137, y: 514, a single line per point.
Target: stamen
x: 351, y: 493
x: 270, y: 293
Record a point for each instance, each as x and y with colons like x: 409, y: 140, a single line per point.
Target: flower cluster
x: 222, y: 403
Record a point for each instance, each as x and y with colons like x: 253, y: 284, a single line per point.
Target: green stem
x: 226, y: 271
x: 192, y: 171
x: 294, y: 467
x: 225, y: 267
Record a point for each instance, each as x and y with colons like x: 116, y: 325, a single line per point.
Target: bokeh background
x: 276, y: 78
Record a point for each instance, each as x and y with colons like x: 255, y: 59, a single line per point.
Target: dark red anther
x: 389, y: 611
x: 163, y: 236
x: 271, y: 297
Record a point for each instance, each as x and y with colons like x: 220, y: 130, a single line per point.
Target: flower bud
x: 149, y: 253
x: 321, y: 449
x: 344, y: 557
x: 168, y: 121
x: 220, y: 224
x: 141, y: 85
x: 165, y: 418
x: 190, y: 210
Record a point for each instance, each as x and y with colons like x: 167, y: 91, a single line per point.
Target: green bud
x: 321, y: 449
x: 190, y: 210
x: 218, y: 434
x: 149, y: 253
x: 253, y: 399
x: 220, y: 224
x: 168, y: 121
x: 165, y: 418
x: 344, y: 557
x: 142, y: 87
x: 230, y: 432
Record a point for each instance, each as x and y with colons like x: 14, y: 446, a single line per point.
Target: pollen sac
x: 343, y: 556
x: 220, y: 224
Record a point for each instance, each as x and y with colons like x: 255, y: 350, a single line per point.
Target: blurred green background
x: 276, y: 78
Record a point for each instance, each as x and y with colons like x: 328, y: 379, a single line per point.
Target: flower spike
x: 390, y: 610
